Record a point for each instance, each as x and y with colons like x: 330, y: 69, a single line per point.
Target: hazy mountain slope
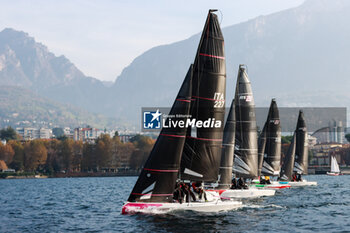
x: 300, y: 56
x: 28, y: 64
x: 18, y: 104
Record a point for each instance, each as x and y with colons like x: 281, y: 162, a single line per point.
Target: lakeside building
x: 322, y: 152
x: 333, y: 133
x: 86, y: 134
x: 33, y: 133
x: 68, y: 132
x: 311, y: 141
x: 126, y: 138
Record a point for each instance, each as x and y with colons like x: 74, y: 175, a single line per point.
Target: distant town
x: 28, y: 152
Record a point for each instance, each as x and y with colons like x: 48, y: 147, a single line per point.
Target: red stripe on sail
x: 188, y: 101
x: 208, y: 55
x: 145, y: 194
x: 172, y: 135
x: 204, y: 98
x: 206, y: 139
x: 158, y: 170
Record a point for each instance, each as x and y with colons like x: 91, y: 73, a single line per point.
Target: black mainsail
x: 227, y: 152
x: 246, y: 146
x: 261, y: 148
x: 202, y: 151
x: 157, y: 180
x: 271, y: 164
x: 288, y: 163
x: 301, y: 150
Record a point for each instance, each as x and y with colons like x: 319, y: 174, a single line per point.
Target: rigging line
x: 222, y: 16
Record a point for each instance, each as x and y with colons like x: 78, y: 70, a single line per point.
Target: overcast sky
x: 101, y: 37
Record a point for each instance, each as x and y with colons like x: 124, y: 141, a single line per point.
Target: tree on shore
x: 88, y: 162
x: 143, y: 146
x: 35, y: 154
x: 8, y: 134
x: 104, y: 151
x: 286, y: 139
x: 18, y: 158
x: 67, y: 154
x: 6, y: 153
x: 347, y: 136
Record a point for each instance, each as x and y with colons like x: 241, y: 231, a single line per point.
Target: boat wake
x: 269, y: 206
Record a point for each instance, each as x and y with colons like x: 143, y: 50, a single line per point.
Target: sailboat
x: 335, y: 171
x: 297, y: 157
x: 189, y: 154
x: 240, y: 144
x: 269, y: 149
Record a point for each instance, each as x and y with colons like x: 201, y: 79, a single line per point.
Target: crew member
x: 234, y: 183
x: 197, y: 188
x: 178, y: 193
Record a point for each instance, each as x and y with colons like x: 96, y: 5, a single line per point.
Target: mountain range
x: 298, y: 56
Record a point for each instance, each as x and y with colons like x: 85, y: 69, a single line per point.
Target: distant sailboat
x: 269, y: 149
x: 240, y: 143
x: 296, y: 159
x: 246, y: 147
x: 228, y: 144
x: 335, y: 171
x: 177, y: 154
x: 301, y: 162
x: 288, y: 164
x: 271, y: 157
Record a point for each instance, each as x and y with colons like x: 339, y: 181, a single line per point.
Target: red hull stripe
x: 188, y: 101
x: 204, y: 98
x: 220, y: 191
x: 173, y: 135
x: 147, y: 194
x: 208, y: 55
x: 158, y: 170
x: 206, y: 139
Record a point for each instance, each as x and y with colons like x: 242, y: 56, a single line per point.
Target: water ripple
x: 94, y: 205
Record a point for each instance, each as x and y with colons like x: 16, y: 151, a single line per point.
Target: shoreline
x: 73, y: 175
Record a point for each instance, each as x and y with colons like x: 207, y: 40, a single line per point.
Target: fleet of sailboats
x: 209, y: 158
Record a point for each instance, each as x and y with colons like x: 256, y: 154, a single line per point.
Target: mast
x: 272, y: 154
x: 157, y: 180
x: 202, y: 151
x: 246, y: 146
x: 261, y: 148
x: 287, y: 167
x: 227, y: 153
x: 301, y: 150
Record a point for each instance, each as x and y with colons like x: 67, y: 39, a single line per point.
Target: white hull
x: 215, y: 204
x: 333, y: 174
x: 273, y: 185
x: 162, y: 208
x: 246, y: 193
x: 302, y: 183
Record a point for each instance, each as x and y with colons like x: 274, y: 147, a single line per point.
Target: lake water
x: 94, y: 205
